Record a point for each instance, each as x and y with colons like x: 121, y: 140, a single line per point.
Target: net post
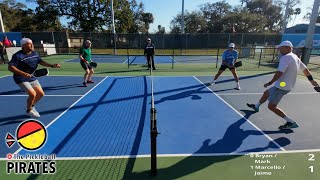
x: 153, y: 134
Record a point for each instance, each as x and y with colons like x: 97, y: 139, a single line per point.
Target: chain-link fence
x: 70, y: 40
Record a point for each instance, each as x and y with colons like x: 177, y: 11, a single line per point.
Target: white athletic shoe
x: 212, y: 83
x: 35, y: 111
x: 33, y: 114
x: 238, y: 87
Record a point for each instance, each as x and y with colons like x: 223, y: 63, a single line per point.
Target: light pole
x: 182, y: 18
x: 113, y: 30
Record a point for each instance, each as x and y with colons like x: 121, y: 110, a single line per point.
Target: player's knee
x: 87, y: 71
x: 40, y: 94
x: 32, y: 94
x: 272, y: 107
x: 91, y: 71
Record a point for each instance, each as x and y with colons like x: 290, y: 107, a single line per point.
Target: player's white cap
x: 284, y: 43
x: 25, y: 40
x: 232, y: 45
x: 149, y: 39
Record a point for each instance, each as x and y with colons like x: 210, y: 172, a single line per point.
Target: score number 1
x: 311, y: 158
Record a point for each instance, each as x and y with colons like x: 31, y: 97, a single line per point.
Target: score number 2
x: 311, y: 158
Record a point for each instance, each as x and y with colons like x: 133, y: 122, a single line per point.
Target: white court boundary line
x: 127, y: 59
x: 4, y: 76
x: 173, y: 59
x: 184, y: 155
x: 50, y: 95
x: 67, y: 60
x: 241, y: 94
x: 242, y: 115
x: 55, y: 119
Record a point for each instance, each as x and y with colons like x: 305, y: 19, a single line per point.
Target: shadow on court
x: 45, y: 89
x: 231, y: 141
x: 185, y: 94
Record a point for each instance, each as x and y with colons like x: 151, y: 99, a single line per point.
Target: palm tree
x: 147, y: 18
x: 296, y: 12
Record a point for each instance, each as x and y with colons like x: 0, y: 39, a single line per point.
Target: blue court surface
x: 195, y: 59
x: 112, y: 116
x: 142, y: 60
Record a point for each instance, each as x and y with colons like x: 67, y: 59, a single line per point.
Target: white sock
x: 258, y: 105
x: 238, y: 84
x: 289, y: 119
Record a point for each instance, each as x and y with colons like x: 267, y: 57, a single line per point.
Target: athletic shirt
x: 230, y: 57
x: 25, y: 62
x: 149, y: 49
x: 86, y: 54
x: 6, y: 42
x: 289, y: 65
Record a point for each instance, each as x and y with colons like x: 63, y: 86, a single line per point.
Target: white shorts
x: 29, y: 85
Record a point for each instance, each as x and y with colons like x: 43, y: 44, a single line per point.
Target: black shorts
x: 85, y: 66
x: 224, y: 67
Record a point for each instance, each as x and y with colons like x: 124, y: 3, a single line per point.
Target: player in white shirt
x: 284, y: 81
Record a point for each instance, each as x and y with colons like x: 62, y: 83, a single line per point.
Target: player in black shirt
x: 149, y: 50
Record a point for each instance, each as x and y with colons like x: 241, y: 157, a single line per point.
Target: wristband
x: 310, y: 78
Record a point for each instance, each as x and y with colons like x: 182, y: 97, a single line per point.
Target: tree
x: 244, y: 22
x: 213, y: 15
x: 147, y: 19
x: 296, y: 12
x: 194, y: 23
x: 95, y: 15
x: 16, y: 16
x: 138, y: 10
x: 308, y: 15
x: 272, y: 12
x: 161, y: 30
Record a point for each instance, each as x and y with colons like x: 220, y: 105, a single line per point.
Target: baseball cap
x: 284, y: 43
x: 25, y: 40
x: 88, y: 42
x: 232, y: 45
x: 149, y: 39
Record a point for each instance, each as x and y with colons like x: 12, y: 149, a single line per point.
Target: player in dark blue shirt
x: 149, y: 51
x: 229, y: 57
x: 23, y: 64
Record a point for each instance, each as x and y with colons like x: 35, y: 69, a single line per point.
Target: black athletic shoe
x: 253, y: 107
x: 289, y: 125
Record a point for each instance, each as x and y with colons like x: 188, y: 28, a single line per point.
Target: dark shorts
x: 224, y: 67
x: 85, y: 66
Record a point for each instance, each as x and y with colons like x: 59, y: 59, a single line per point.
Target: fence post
x: 260, y: 57
x: 217, y: 58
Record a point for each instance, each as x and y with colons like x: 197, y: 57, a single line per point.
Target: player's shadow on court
x: 193, y: 94
x: 45, y: 89
x: 230, y: 142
